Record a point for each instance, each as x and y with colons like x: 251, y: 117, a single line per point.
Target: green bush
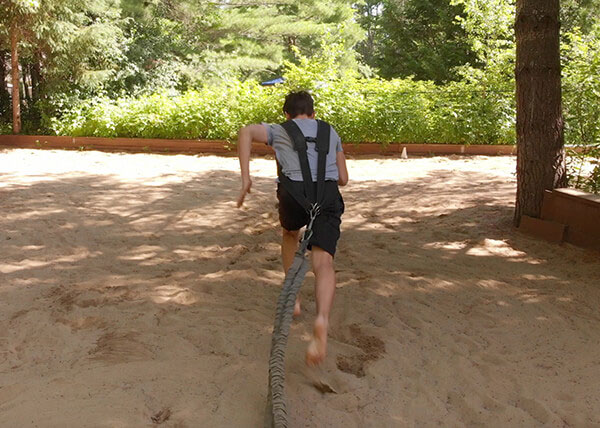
x: 362, y: 110
x: 211, y: 113
x: 5, y: 128
x: 473, y: 111
x: 581, y: 83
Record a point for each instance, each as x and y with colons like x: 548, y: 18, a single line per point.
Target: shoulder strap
x: 299, y: 141
x: 323, y: 137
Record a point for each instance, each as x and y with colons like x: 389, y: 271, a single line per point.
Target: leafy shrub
x: 5, y: 128
x: 583, y: 168
x: 212, y: 112
x: 362, y: 110
x: 581, y: 82
x: 476, y: 110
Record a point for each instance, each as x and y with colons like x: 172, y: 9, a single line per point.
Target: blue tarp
x: 273, y: 82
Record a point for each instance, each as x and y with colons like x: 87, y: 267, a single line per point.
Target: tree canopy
x: 128, y: 46
x: 395, y: 49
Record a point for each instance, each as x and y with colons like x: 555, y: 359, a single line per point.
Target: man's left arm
x: 340, y: 160
x: 246, y: 135
x: 342, y: 168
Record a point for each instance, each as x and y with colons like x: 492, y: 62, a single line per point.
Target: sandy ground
x: 133, y: 293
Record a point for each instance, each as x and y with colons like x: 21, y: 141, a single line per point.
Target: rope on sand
x: 276, y: 414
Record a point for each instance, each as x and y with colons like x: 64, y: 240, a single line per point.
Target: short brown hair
x: 297, y: 103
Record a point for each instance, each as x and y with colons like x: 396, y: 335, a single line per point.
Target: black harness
x: 309, y: 201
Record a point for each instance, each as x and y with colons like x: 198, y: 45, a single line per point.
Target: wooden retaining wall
x: 568, y: 215
x: 225, y: 147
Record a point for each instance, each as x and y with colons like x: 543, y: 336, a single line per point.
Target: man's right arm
x: 246, y: 135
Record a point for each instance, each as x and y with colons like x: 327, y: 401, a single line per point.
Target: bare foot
x: 317, y: 348
x: 297, y: 308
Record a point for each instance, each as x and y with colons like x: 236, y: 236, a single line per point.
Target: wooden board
x: 227, y: 147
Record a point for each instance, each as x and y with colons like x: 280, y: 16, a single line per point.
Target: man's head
x: 297, y: 104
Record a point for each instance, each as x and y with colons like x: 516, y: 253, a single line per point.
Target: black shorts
x: 326, y: 227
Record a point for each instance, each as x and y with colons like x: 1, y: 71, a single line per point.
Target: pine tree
x: 57, y: 46
x: 540, y: 127
x: 14, y: 23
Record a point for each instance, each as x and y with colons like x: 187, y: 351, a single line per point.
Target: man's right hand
x: 246, y: 135
x: 246, y: 188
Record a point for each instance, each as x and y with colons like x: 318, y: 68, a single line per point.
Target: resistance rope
x: 276, y: 412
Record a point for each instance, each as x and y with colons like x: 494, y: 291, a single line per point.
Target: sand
x: 133, y: 293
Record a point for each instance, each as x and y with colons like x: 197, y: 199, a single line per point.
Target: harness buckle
x: 315, y: 210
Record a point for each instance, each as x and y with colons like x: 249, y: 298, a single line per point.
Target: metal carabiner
x: 315, y: 210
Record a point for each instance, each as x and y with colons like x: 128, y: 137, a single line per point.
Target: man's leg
x: 322, y: 263
x: 289, y: 246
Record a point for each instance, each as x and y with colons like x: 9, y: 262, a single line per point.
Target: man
x: 299, y: 107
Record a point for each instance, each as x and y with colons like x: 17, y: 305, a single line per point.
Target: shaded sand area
x: 133, y: 293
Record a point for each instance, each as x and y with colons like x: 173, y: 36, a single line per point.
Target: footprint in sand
x: 371, y: 346
x: 161, y: 416
x: 236, y: 253
x: 114, y: 347
x: 362, y: 276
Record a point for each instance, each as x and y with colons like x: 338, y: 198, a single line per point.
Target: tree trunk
x: 540, y: 126
x: 26, y: 90
x: 16, y: 104
x: 36, y: 79
x: 3, y: 69
x: 4, y: 94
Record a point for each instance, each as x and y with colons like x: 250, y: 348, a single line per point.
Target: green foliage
x: 581, y: 87
x: 583, y: 15
x: 126, y: 47
x: 5, y: 128
x: 581, y: 83
x: 489, y: 31
x: 5, y: 101
x: 583, y: 168
x: 489, y: 26
x: 362, y: 110
x: 72, y: 41
x: 187, y: 44
x: 212, y: 112
x: 421, y: 38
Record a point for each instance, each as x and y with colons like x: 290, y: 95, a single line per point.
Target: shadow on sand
x: 134, y: 271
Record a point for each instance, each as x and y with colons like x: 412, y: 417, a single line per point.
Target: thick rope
x: 276, y: 414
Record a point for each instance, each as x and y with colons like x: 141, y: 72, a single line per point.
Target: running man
x: 299, y: 108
